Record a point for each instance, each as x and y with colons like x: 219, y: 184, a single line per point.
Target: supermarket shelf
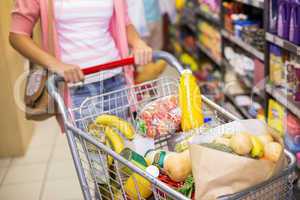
x: 208, y: 17
x: 242, y: 110
x: 248, y: 83
x: 283, y: 43
x: 208, y: 54
x: 254, y: 3
x: 285, y: 100
x: 250, y: 49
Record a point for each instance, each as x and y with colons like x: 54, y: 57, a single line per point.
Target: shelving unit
x: 270, y: 91
x: 208, y: 54
x: 287, y: 45
x: 250, y: 49
x: 285, y: 100
x: 241, y: 110
x: 254, y: 3
x: 207, y: 17
x: 245, y: 80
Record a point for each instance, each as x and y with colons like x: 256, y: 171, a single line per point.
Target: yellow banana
x: 109, y: 158
x: 115, y: 140
x: 258, y: 148
x: 123, y: 126
x: 190, y: 102
x: 95, y: 131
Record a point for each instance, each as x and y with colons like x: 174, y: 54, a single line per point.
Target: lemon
x: 136, y: 185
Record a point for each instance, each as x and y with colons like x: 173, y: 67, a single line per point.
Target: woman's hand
x: 142, y: 53
x: 71, y: 73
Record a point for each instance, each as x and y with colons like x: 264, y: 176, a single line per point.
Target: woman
x: 77, y: 34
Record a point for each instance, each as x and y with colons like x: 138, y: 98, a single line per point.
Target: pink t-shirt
x: 83, y: 33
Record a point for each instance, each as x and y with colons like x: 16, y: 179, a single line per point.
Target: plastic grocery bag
x: 218, y: 173
x: 136, y: 13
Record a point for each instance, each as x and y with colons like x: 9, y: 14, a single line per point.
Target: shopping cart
x: 100, y: 181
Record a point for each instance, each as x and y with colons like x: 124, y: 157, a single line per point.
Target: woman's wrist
x: 54, y: 65
x: 138, y: 43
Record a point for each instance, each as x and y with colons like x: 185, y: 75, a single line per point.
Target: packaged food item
x: 141, y: 144
x: 176, y: 165
x: 276, y: 116
x: 290, y: 145
x: 292, y: 77
x: 276, y: 65
x: 190, y: 102
x: 134, y: 158
x: 160, y: 117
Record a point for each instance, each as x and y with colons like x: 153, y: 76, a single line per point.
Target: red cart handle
x: 107, y: 66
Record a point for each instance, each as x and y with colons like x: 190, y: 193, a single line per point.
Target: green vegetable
x: 188, y: 187
x: 142, y: 127
x: 219, y: 147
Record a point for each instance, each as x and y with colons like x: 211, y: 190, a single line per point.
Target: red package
x: 293, y: 125
x: 160, y: 117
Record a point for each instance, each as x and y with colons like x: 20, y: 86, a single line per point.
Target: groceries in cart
x: 160, y: 117
x: 191, y: 169
x: 173, y: 143
x: 173, y: 113
x: 248, y: 155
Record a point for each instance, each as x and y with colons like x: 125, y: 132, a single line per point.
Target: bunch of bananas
x: 111, y: 126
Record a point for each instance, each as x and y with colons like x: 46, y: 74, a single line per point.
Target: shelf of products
x: 284, y: 99
x: 254, y: 3
x: 244, y: 79
x: 264, y: 46
x: 209, y: 41
x: 208, y: 17
x: 208, y: 54
x: 243, y: 111
x: 287, y: 45
x: 243, y: 44
x: 210, y: 9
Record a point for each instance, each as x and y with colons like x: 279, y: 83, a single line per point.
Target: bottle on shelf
x: 294, y: 33
x: 273, y: 16
x: 283, y: 23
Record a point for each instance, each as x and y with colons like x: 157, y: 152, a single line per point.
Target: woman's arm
x: 24, y: 16
x: 26, y: 46
x: 141, y: 51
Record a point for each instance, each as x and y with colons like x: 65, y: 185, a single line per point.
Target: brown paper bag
x: 218, y: 173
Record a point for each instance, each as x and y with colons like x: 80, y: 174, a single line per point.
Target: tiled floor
x: 46, y: 172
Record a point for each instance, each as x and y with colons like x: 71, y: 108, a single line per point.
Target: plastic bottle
x: 283, y: 23
x: 273, y: 16
x: 294, y: 33
x: 190, y: 102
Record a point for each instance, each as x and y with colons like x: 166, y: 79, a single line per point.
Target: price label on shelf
x: 279, y: 41
x: 269, y: 37
x: 298, y: 51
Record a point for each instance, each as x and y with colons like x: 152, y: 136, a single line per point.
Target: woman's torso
x: 83, y: 33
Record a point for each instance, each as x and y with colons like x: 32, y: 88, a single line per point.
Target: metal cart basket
x: 90, y: 155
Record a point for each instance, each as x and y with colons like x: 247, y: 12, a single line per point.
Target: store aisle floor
x: 46, y: 172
